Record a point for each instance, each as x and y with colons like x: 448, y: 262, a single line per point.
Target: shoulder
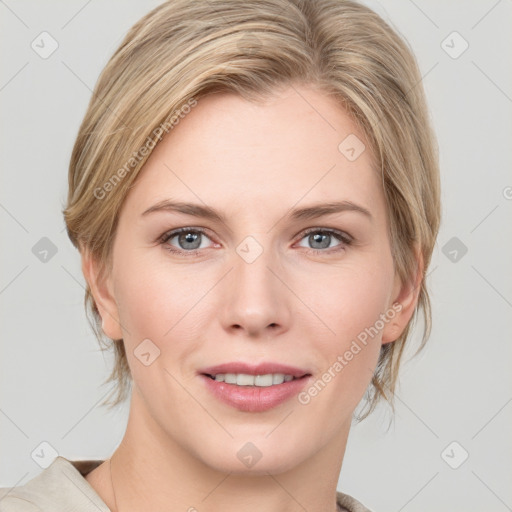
x: 348, y: 503
x: 10, y: 502
x: 61, y: 486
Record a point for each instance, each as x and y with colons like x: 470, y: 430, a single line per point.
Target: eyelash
x: 346, y: 240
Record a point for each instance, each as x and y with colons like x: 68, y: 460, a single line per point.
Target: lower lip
x: 254, y: 398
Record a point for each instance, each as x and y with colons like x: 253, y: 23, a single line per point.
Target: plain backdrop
x: 449, y: 447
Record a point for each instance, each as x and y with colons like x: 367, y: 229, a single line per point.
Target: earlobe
x: 102, y: 293
x: 405, y: 298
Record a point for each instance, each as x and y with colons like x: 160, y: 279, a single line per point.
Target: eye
x: 189, y: 240
x: 321, y: 240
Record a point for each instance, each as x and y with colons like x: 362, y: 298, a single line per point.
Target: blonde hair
x: 183, y: 50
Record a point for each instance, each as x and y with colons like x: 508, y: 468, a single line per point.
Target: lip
x: 254, y: 398
x: 251, y: 369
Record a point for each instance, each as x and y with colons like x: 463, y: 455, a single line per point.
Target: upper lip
x: 251, y: 369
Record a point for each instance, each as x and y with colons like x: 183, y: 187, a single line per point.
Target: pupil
x: 190, y: 238
x: 318, y: 238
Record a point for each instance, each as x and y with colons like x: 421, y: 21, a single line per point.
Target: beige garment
x: 61, y: 487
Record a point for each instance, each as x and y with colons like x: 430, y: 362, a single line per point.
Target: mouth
x: 245, y: 379
x: 252, y: 388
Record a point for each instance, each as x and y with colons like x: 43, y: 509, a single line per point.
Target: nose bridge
x: 255, y: 299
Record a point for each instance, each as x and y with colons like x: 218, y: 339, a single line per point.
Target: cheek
x: 350, y: 302
x: 350, y: 299
x: 164, y: 304
x: 152, y: 301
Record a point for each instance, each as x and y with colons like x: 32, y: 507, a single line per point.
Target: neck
x: 151, y: 470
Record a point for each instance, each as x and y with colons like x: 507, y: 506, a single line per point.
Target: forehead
x: 296, y: 147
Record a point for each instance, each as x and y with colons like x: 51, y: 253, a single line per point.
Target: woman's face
x: 271, y: 278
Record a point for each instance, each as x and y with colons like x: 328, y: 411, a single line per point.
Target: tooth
x: 243, y: 379
x: 230, y: 378
x: 278, y: 378
x: 263, y: 380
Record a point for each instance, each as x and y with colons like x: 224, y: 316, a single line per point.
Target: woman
x: 254, y: 192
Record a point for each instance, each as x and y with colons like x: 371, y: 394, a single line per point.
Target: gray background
x: 459, y: 389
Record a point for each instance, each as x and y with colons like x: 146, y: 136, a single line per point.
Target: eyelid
x: 343, y: 237
x: 174, y: 232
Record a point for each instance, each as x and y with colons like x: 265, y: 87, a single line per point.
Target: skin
x: 253, y: 162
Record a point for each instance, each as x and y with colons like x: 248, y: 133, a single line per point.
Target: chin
x: 253, y: 455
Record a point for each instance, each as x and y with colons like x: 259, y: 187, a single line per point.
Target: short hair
x: 184, y: 50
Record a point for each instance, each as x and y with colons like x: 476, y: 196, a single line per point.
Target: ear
x: 102, y: 292
x: 405, y: 298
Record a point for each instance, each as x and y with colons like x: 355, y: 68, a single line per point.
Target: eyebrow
x: 306, y: 213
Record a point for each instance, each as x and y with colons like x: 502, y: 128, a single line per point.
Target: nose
x: 254, y: 300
